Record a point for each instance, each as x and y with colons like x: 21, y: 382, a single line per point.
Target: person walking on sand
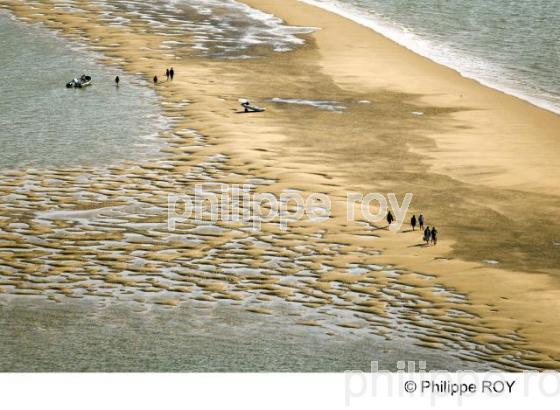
x: 155, y: 79
x: 434, y: 233
x: 427, y: 235
x: 117, y: 80
x: 413, y: 222
x: 171, y: 73
x: 421, y: 222
x: 390, y: 218
x: 167, y: 74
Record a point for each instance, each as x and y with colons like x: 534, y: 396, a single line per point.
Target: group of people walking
x: 169, y: 74
x: 430, y: 234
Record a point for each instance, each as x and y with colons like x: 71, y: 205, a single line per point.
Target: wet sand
x: 352, y: 275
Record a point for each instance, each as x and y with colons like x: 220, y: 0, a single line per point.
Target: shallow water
x: 322, y: 105
x: 36, y: 335
x: 44, y: 124
x: 211, y: 28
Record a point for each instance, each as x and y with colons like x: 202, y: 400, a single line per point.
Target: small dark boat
x: 81, y: 82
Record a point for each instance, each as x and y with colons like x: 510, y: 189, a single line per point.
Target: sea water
x: 44, y: 124
x: 513, y: 46
x: 88, y: 335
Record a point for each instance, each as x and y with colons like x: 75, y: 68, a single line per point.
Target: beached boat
x: 247, y: 107
x: 81, y: 82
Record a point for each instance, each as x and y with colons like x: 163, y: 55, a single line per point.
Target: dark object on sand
x: 246, y: 104
x: 155, y: 79
x: 413, y: 222
x: 390, y: 218
x: 117, y: 80
x: 171, y: 73
x: 81, y: 82
x: 434, y: 235
x: 167, y: 73
x: 427, y: 235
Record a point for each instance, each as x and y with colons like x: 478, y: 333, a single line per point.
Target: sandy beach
x: 482, y: 166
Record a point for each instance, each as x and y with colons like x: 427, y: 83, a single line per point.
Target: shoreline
x: 403, y: 71
x: 235, y: 136
x: 376, y: 27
